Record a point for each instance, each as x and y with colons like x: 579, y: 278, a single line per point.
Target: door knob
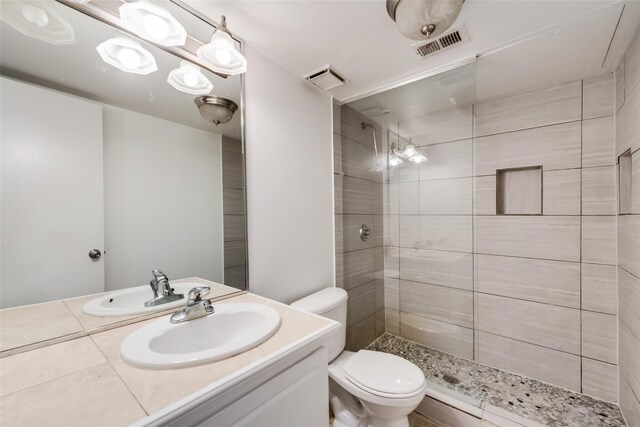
x: 95, y: 254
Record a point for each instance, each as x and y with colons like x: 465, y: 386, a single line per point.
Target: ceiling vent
x: 326, y: 78
x: 445, y: 41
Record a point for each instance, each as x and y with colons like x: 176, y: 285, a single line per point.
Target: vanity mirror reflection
x: 122, y: 153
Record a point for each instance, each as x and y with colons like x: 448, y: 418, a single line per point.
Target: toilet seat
x: 383, y: 374
x: 369, y: 390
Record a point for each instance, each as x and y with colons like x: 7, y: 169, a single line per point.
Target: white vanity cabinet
x: 291, y: 392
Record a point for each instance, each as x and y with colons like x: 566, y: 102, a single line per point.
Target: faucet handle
x: 196, y: 294
x: 159, y: 274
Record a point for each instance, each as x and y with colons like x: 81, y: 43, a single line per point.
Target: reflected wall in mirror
x: 109, y: 171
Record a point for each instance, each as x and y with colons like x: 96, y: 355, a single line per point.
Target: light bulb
x: 394, y: 160
x: 35, y: 15
x: 190, y: 79
x: 155, y: 26
x: 410, y: 150
x: 417, y: 158
x: 223, y: 56
x: 129, y: 58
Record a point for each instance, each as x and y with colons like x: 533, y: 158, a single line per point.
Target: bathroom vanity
x: 83, y: 381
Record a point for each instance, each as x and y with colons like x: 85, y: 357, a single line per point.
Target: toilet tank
x: 332, y: 304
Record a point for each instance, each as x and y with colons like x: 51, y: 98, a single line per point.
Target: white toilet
x: 367, y: 388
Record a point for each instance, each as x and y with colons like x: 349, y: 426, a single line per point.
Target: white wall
x: 289, y: 182
x: 163, y: 200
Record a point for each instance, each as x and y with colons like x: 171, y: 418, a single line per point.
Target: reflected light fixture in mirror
x: 216, y: 109
x: 189, y: 79
x: 127, y: 55
x: 221, y: 54
x: 38, y: 20
x: 151, y: 22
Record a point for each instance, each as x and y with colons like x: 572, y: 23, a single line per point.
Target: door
x: 51, y: 198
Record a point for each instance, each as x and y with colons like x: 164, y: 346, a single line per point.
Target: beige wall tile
x: 629, y: 361
x: 627, y: 124
x: 629, y: 243
x: 632, y: 67
x: 233, y: 201
x: 600, y: 380
x: 599, y: 191
x: 629, y: 300
x: 20, y: 326
x: 452, y: 124
x: 236, y: 277
x: 599, y: 336
x: 409, y: 198
x: 559, y: 368
x: 453, y: 269
x: 73, y: 400
x: 439, y: 335
x: 361, y: 334
x: 448, y: 160
x: 635, y: 182
x: 358, y: 160
x: 391, y: 200
x: 378, y: 262
x: 234, y: 227
x: 351, y: 127
x: 543, y: 324
x: 379, y: 294
x: 392, y: 321
x: 391, y: 230
x: 392, y: 261
x: 598, y: 98
x: 440, y: 232
x: 561, y: 192
x: 392, y: 293
x: 337, y: 193
x: 519, y: 191
x: 235, y: 254
x: 598, y: 147
x: 599, y: 239
x: 336, y: 111
x: 350, y: 232
x: 629, y: 404
x: 361, y: 303
x: 446, y: 197
x: 357, y: 196
x: 542, y: 107
x: 619, y: 78
x: 232, y: 173
x: 31, y: 368
x: 340, y: 270
x: 437, y: 302
x: 553, y: 282
x: 485, y: 195
x: 548, y: 237
x: 552, y: 147
x: 358, y: 268
x: 599, y: 288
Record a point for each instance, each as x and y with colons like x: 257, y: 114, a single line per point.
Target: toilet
x: 367, y: 388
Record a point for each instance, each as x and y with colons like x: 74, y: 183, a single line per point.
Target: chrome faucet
x: 196, y: 306
x: 161, y: 282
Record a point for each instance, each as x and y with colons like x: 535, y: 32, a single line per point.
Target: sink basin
x: 232, y: 329
x: 131, y: 301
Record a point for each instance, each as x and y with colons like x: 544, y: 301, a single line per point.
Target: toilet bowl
x: 367, y: 388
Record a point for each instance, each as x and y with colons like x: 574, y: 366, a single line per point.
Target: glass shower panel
x: 427, y: 150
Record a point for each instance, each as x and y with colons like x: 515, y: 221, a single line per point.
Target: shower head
x: 215, y: 109
x: 366, y: 125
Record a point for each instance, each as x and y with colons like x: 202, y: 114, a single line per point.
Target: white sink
x: 131, y: 301
x: 232, y: 329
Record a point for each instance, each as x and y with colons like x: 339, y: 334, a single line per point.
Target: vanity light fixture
x: 152, y: 22
x: 394, y: 160
x: 38, y: 20
x: 409, y: 152
x: 188, y: 78
x: 221, y: 54
x: 127, y: 55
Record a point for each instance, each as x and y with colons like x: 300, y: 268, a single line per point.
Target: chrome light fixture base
x: 422, y: 19
x: 216, y: 109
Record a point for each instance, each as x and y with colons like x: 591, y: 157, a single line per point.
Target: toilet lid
x: 383, y: 372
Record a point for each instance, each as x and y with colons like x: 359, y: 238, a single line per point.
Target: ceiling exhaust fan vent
x: 433, y: 46
x: 326, y: 78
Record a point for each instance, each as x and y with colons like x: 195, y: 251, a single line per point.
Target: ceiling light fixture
x: 409, y: 152
x: 221, y: 54
x: 127, y: 55
x: 189, y: 79
x: 215, y: 109
x: 421, y: 19
x: 38, y: 20
x: 153, y: 23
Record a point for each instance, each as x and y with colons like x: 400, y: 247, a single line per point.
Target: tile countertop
x: 83, y: 381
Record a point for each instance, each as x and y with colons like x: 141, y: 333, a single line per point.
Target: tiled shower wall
x: 628, y: 141
x: 358, y: 201
x: 235, y: 254
x: 531, y: 294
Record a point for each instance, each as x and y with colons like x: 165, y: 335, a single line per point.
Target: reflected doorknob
x: 95, y: 254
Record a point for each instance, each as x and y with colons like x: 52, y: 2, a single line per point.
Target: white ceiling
x: 362, y: 43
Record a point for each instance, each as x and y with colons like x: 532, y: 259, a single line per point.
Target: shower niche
x: 519, y: 191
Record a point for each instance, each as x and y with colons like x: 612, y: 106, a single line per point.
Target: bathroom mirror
x: 109, y: 170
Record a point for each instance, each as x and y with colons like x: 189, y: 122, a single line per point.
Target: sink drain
x: 451, y: 379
